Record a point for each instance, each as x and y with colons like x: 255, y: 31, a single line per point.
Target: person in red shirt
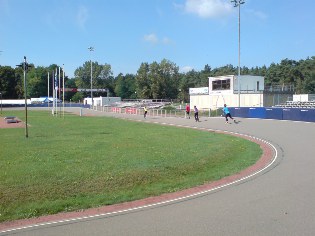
x: 187, y: 111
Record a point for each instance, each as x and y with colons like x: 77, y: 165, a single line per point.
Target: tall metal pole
x: 59, y: 92
x: 91, y: 50
x: 48, y: 90
x: 92, y: 84
x: 239, y: 53
x: 25, y: 68
x: 238, y: 3
x: 25, y: 95
x: 56, y: 91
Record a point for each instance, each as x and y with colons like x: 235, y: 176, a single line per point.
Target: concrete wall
x: 248, y: 83
x: 214, y: 101
x: 15, y: 101
x: 201, y: 101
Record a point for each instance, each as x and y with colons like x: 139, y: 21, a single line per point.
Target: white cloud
x: 166, y: 40
x: 64, y: 14
x: 258, y: 14
x: 82, y: 16
x: 208, y: 8
x: 152, y: 38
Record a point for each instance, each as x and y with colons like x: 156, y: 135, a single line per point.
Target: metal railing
x: 157, y: 112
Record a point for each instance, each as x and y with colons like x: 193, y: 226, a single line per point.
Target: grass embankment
x: 76, y: 162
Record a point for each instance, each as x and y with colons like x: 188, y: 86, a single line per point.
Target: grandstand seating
x: 149, y: 104
x: 297, y: 104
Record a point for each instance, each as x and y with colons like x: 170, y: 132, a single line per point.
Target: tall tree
x: 125, y: 86
x: 101, y: 76
x: 130, y: 81
x: 37, y: 82
x: 170, y: 78
x: 8, y: 82
x: 157, y: 82
x: 143, y: 82
x: 185, y: 83
x: 204, y: 76
x: 120, y: 86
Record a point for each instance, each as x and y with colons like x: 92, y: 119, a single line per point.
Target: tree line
x: 157, y: 80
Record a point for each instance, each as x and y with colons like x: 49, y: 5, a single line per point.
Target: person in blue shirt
x: 227, y: 114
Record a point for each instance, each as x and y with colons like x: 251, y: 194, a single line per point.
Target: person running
x: 196, y: 114
x: 145, y: 112
x: 227, y: 114
x: 187, y: 111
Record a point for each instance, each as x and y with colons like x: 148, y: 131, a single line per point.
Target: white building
x: 303, y: 97
x: 226, y: 90
x: 102, y: 101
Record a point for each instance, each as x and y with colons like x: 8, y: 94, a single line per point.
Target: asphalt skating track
x: 278, y: 201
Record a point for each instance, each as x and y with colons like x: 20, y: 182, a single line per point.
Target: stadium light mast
x: 238, y: 3
x: 91, y: 50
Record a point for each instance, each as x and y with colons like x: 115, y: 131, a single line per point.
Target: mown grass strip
x: 76, y: 162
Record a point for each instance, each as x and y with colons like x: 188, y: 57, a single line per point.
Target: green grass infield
x: 71, y: 163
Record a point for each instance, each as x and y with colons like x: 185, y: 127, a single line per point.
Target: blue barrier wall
x: 257, y: 112
x: 307, y: 115
x: 239, y: 111
x: 274, y: 113
x: 291, y: 114
x: 297, y: 114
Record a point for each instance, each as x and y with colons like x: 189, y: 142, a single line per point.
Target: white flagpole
x: 59, y: 88
x: 56, y: 92
x: 53, y: 84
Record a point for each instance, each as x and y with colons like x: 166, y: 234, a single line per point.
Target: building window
x: 221, y: 84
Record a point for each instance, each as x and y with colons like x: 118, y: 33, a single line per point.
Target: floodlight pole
x: 238, y: 3
x: 25, y: 92
x: 25, y: 66
x: 91, y: 50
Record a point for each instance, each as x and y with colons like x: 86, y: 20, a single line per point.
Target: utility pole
x: 238, y: 3
x: 25, y: 66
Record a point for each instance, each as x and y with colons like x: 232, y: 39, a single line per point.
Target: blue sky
x: 125, y: 33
